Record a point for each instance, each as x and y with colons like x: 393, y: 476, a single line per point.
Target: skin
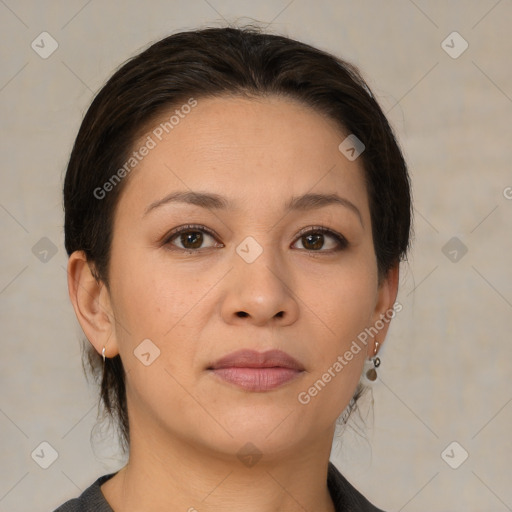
x: 187, y: 425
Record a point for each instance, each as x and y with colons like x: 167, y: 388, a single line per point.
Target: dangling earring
x: 103, y: 354
x: 371, y: 374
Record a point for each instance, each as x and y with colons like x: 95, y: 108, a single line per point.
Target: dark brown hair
x: 216, y: 62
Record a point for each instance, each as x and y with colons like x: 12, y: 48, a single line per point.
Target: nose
x: 259, y: 293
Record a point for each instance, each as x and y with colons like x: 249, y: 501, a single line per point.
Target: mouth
x: 257, y: 371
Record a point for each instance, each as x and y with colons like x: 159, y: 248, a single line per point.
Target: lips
x: 254, y: 359
x: 257, y: 371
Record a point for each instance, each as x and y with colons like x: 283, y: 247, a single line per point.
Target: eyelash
x: 340, y: 239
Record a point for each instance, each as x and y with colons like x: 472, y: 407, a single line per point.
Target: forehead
x: 264, y: 149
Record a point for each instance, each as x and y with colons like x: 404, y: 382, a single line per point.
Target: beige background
x: 446, y: 366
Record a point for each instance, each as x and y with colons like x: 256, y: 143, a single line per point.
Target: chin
x: 271, y: 427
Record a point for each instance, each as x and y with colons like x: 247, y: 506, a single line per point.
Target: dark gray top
x: 344, y: 496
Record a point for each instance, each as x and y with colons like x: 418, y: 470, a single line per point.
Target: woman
x: 236, y: 209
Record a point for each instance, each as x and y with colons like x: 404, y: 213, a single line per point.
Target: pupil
x: 194, y: 237
x: 317, y: 241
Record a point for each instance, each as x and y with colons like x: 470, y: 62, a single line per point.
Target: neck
x: 193, y: 479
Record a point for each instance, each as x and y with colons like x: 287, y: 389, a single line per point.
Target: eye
x: 191, y: 238
x: 313, y: 239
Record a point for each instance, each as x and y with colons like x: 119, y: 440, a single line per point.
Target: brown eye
x: 314, y: 240
x: 190, y: 238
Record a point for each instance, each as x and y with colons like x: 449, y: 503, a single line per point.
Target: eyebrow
x: 305, y: 202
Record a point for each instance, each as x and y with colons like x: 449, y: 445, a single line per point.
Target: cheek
x: 148, y: 295
x: 347, y: 315
x: 338, y: 353
x: 164, y: 303
x: 345, y: 299
x: 344, y: 303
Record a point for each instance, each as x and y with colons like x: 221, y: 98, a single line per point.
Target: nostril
x: 242, y: 314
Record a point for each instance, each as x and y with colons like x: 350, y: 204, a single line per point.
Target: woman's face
x: 250, y: 273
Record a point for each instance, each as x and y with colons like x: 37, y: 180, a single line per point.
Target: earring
x: 371, y: 374
x: 103, y: 354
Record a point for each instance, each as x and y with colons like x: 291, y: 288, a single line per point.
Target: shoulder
x: 91, y: 500
x: 344, y: 495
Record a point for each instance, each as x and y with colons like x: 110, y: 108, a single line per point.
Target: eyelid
x: 166, y: 240
x: 342, y: 241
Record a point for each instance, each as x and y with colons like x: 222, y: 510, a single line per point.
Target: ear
x: 91, y: 301
x: 384, y: 311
